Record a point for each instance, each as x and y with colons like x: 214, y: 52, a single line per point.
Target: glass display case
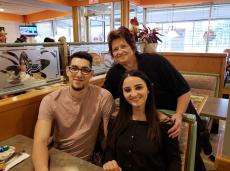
x: 102, y: 59
x: 27, y: 67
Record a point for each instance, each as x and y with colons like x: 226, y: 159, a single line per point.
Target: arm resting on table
x: 40, y: 153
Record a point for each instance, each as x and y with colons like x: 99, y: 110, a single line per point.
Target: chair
x: 188, y: 140
x: 203, y: 84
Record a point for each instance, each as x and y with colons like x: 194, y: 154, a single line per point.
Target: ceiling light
x: 172, y: 33
x: 1, y: 9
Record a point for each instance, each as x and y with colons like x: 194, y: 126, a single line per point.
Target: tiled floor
x: 214, y: 140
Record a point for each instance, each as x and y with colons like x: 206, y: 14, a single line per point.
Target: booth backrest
x: 188, y: 140
x: 203, y: 83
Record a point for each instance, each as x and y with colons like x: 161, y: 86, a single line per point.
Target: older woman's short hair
x: 124, y: 33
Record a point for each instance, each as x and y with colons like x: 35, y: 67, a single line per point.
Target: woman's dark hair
x: 124, y: 33
x: 125, y: 111
x: 82, y: 55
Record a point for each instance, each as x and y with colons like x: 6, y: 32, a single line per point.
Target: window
x: 194, y: 33
x: 55, y: 29
x: 45, y: 29
x: 117, y: 15
x: 64, y: 27
x: 136, y: 11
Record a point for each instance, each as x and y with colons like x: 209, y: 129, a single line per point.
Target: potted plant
x: 150, y: 37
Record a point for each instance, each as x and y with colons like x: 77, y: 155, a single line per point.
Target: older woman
x: 171, y: 90
x: 138, y: 139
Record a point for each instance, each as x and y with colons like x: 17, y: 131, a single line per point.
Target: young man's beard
x: 78, y: 88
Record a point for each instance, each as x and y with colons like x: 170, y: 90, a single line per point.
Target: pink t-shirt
x: 76, y: 123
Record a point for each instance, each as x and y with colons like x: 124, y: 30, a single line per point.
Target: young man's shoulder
x: 99, y: 90
x: 57, y: 93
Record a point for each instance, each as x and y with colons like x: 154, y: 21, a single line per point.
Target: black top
x: 169, y: 84
x: 134, y: 152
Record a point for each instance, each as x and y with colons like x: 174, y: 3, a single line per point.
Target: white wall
x: 12, y: 30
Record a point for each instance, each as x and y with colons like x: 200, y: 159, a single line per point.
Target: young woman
x: 138, y: 138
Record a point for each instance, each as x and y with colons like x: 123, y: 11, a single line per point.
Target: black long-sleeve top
x: 169, y: 84
x: 134, y: 152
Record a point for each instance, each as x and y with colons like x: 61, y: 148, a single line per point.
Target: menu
x: 198, y: 101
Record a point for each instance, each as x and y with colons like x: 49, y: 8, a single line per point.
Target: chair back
x: 203, y: 83
x: 188, y: 140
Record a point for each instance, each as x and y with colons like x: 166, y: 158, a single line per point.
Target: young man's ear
x: 92, y: 73
x: 67, y: 70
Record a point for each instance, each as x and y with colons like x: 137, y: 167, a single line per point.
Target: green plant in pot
x: 150, y: 37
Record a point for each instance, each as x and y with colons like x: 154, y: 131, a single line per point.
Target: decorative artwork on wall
x: 25, y: 67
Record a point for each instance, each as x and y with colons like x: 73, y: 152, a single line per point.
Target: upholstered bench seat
x: 203, y: 83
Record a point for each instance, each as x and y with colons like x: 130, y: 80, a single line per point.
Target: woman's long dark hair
x: 125, y: 112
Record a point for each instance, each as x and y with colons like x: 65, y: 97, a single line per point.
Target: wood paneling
x: 199, y: 62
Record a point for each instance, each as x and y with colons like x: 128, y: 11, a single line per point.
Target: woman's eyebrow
x: 80, y: 66
x: 138, y: 84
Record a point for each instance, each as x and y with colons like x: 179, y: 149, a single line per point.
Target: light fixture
x: 1, y: 10
x: 172, y: 33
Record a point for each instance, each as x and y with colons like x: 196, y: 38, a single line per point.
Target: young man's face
x: 79, y: 73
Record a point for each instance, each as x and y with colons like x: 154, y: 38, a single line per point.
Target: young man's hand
x: 111, y: 166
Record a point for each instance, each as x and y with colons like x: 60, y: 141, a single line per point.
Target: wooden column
x: 125, y: 13
x: 75, y: 14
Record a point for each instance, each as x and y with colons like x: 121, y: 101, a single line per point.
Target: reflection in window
x: 117, y: 15
x: 64, y: 27
x: 136, y: 11
x: 44, y: 30
x: 55, y: 29
x: 97, y: 19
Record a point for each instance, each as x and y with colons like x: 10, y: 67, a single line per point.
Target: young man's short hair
x: 82, y: 55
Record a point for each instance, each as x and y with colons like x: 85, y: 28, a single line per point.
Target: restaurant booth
x: 42, y: 71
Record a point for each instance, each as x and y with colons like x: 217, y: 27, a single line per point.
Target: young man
x: 75, y: 111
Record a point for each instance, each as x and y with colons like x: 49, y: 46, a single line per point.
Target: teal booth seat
x: 187, y: 140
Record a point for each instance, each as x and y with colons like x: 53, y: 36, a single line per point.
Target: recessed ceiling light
x: 1, y: 9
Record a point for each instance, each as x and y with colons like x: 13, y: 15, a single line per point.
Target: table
x: 216, y: 108
x: 59, y: 161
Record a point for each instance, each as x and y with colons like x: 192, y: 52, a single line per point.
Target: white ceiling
x: 25, y: 7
